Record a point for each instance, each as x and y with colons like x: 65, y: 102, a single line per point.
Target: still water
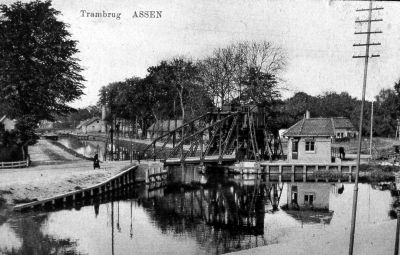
x: 218, y: 216
x: 89, y: 148
x: 83, y: 147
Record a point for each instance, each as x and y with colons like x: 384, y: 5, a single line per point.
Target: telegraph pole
x: 366, y: 58
x: 370, y: 133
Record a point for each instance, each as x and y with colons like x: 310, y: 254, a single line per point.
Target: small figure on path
x: 96, y: 161
x: 342, y: 153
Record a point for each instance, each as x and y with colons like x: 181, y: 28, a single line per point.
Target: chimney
x: 307, y: 114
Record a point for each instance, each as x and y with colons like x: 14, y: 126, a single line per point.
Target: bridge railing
x: 203, y: 136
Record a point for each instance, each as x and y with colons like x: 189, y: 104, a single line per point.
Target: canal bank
x: 379, y: 240
x: 39, y: 182
x: 54, y: 171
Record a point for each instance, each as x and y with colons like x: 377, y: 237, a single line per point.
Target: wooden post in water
x: 350, y: 172
x: 292, y: 177
x: 396, y: 246
x: 327, y: 170
x: 201, y: 149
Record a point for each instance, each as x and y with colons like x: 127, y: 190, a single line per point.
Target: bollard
x: 350, y: 172
x: 293, y: 173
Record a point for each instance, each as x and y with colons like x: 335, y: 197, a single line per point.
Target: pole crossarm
x: 366, y: 44
x: 368, y: 20
x: 370, y: 9
x: 366, y: 32
x: 371, y: 56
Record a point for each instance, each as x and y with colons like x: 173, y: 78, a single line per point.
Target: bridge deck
x: 207, y: 159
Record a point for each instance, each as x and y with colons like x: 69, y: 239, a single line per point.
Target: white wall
x: 346, y: 133
x: 94, y: 126
x: 321, y: 153
x: 320, y: 191
x: 9, y: 124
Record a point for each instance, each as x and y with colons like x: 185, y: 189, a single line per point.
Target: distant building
x: 91, y: 125
x: 160, y: 128
x: 310, y: 139
x: 45, y: 124
x: 9, y: 124
x: 344, y: 128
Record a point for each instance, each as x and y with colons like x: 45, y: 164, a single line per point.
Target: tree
x: 184, y: 77
x: 244, y: 69
x: 218, y: 73
x: 39, y: 74
x: 386, y: 112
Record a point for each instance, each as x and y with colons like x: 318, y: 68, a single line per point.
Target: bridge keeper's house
x: 310, y: 140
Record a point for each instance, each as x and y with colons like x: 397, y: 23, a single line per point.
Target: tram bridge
x: 224, y: 135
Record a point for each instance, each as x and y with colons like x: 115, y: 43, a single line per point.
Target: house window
x: 310, y: 145
x: 309, y: 198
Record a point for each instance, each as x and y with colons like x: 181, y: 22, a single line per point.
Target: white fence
x: 15, y: 164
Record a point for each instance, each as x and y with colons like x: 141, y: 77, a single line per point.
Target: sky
x: 317, y: 36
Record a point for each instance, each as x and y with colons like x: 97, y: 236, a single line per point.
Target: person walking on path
x: 342, y: 154
x: 96, y: 161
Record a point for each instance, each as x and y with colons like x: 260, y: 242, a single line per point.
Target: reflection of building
x: 309, y: 202
x: 309, y: 195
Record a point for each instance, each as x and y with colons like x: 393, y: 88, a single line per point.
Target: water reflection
x: 85, y: 148
x: 28, y: 232
x: 219, y: 216
x: 309, y: 202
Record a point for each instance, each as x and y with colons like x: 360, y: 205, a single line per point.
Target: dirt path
x: 44, y: 152
x: 39, y: 182
x: 54, y: 171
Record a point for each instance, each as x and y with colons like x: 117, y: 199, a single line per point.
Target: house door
x: 295, y: 149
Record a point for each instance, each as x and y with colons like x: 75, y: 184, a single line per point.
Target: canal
x: 89, y: 148
x: 84, y: 147
x: 220, y: 215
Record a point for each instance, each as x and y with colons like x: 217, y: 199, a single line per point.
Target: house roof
x: 312, y: 127
x: 163, y: 125
x: 87, y: 122
x: 343, y: 123
x: 319, y: 126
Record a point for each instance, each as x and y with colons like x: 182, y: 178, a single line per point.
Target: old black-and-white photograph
x: 199, y: 127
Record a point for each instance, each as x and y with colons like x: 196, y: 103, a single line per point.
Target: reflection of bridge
x: 223, y: 217
x: 216, y: 137
x: 235, y: 206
